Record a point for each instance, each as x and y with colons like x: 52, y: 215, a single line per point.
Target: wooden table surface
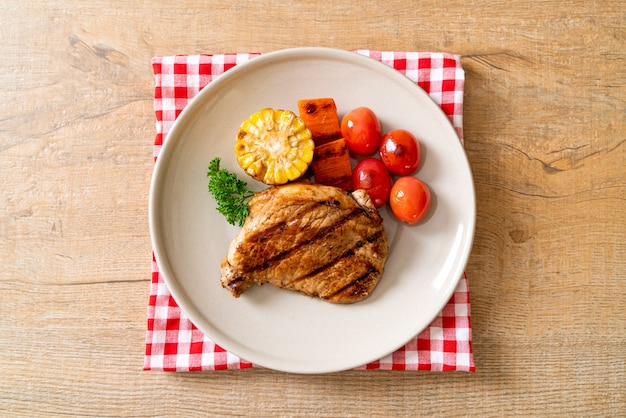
x: 545, y: 122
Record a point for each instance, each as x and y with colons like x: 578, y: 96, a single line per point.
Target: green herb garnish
x: 232, y: 195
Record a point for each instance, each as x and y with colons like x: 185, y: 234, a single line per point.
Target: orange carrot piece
x: 331, y: 164
x: 320, y: 116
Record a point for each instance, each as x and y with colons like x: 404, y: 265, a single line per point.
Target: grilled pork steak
x: 317, y: 240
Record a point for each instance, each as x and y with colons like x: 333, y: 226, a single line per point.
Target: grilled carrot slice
x: 331, y: 164
x: 320, y: 116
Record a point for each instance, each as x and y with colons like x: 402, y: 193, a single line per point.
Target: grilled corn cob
x: 274, y: 146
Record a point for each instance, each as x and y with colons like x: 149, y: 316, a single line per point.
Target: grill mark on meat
x: 321, y: 235
x: 264, y: 242
x: 350, y: 253
x: 269, y: 233
x: 277, y: 229
x: 358, y: 287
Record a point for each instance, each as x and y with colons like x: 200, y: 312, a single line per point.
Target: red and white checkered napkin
x: 173, y: 343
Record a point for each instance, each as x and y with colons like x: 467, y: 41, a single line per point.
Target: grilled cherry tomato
x: 372, y: 175
x: 409, y: 199
x: 361, y: 129
x: 400, y: 152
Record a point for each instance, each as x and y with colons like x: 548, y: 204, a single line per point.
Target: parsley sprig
x: 232, y: 195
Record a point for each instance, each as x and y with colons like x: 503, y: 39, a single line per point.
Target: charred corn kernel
x: 274, y: 146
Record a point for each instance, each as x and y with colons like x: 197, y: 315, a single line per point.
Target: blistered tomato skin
x: 361, y: 129
x: 400, y: 152
x: 409, y: 199
x: 371, y: 174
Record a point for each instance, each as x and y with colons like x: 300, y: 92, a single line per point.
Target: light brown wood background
x: 545, y: 134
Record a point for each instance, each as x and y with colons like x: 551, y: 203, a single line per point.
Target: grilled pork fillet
x: 317, y: 240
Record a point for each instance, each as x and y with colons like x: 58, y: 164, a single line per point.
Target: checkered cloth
x: 173, y: 343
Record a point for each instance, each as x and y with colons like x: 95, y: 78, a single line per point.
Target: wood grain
x: 545, y: 123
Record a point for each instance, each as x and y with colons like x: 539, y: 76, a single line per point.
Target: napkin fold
x: 173, y: 343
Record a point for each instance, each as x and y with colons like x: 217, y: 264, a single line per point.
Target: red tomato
x: 400, y: 152
x: 372, y: 175
x: 361, y: 130
x: 409, y: 199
